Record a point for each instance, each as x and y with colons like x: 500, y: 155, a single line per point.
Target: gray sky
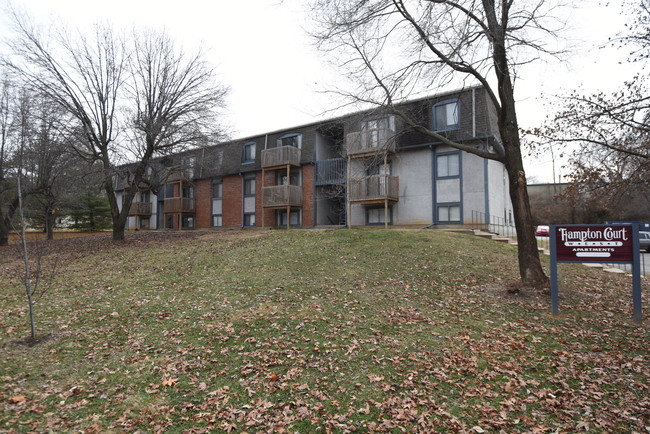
x: 277, y: 78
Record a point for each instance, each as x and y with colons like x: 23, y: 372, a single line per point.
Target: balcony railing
x: 140, y: 208
x: 281, y: 156
x: 374, y: 188
x: 370, y: 142
x: 330, y: 171
x: 282, y: 195
x: 179, y: 204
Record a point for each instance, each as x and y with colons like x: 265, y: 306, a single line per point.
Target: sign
x: 594, y: 243
x: 597, y: 243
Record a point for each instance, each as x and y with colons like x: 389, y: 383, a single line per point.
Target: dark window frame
x: 449, y: 205
x: 447, y: 126
x: 217, y: 187
x: 295, y: 138
x: 248, y: 224
x: 381, y: 208
x: 249, y: 150
x: 251, y: 191
x: 446, y: 155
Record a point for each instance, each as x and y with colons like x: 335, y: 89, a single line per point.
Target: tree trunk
x: 49, y: 223
x: 530, y: 267
x: 118, y: 230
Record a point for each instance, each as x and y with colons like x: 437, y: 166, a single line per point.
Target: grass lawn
x: 316, y: 330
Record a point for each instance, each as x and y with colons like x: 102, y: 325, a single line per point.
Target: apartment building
x: 366, y: 168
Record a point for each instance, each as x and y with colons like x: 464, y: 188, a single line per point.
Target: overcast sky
x: 277, y: 78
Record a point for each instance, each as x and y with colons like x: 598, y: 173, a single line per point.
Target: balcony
x: 374, y: 189
x: 278, y: 196
x: 140, y: 208
x: 330, y: 171
x: 370, y: 142
x: 179, y: 205
x: 280, y: 156
x: 186, y: 174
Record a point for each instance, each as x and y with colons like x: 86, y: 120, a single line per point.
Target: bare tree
x: 35, y: 276
x: 169, y: 97
x: 48, y: 161
x: 8, y: 188
x: 84, y: 76
x: 608, y: 134
x: 175, y: 102
x: 392, y: 48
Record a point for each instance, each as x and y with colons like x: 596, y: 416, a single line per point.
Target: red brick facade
x: 203, y: 203
x: 232, y: 201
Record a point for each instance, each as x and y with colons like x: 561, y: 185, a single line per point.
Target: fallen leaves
x: 169, y: 382
x: 340, y: 332
x: 18, y: 399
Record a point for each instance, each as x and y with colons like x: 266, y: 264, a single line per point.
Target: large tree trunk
x: 530, y: 267
x: 49, y: 222
x: 118, y: 229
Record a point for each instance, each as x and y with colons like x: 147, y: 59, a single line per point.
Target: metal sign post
x: 597, y: 243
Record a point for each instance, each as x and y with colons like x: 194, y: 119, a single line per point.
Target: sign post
x: 596, y: 243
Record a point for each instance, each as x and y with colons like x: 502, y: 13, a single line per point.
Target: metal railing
x: 331, y: 171
x: 495, y: 225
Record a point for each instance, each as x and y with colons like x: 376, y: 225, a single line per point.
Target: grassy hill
x: 312, y: 330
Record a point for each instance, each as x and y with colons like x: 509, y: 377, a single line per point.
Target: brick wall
x: 232, y: 201
x: 203, y: 203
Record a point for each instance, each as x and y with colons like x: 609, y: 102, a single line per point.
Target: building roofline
x: 353, y: 113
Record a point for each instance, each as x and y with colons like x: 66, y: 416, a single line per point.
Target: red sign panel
x: 594, y: 243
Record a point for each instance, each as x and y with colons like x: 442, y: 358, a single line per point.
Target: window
x: 145, y: 196
x: 281, y: 218
x: 294, y: 140
x: 376, y: 131
x: 445, y: 115
x: 294, y: 178
x: 249, y: 220
x: 169, y: 190
x: 448, y: 213
x: 375, y: 216
x: 188, y: 191
x: 217, y: 189
x: 188, y: 222
x: 379, y: 169
x: 249, y: 186
x: 447, y: 165
x: 217, y: 221
x: 248, y: 154
x: 386, y: 122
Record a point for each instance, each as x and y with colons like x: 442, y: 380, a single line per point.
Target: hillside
x: 308, y: 330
